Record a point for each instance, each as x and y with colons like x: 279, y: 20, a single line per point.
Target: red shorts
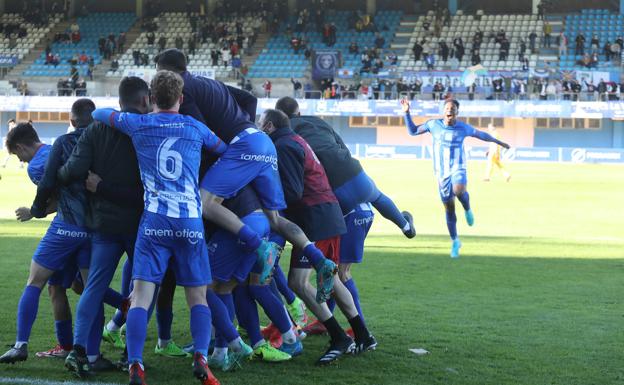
x: 329, y: 247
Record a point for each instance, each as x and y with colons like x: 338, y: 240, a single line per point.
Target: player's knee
x: 195, y: 295
x: 344, y: 272
x: 77, y: 287
x: 56, y: 292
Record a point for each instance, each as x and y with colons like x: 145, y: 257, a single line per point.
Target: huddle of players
x: 292, y: 180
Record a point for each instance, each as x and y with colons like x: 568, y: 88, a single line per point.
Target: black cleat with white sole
x: 370, y: 343
x: 337, y: 349
x: 14, y: 355
x: 411, y: 233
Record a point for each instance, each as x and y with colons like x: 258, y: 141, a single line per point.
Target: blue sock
x: 331, y: 304
x: 27, y: 309
x: 275, y: 290
x: 282, y: 285
x: 249, y: 238
x: 200, y: 328
x: 64, y: 334
x: 272, y: 306
x: 464, y: 199
x: 451, y: 223
x: 95, y: 334
x: 247, y: 313
x: 221, y: 317
x: 315, y: 256
x: 388, y: 210
x: 136, y: 331
x: 113, y: 298
x: 350, y: 285
x: 164, y: 319
x: 126, y: 278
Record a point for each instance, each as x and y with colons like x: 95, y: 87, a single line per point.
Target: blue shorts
x: 358, y: 224
x: 61, y: 244
x: 445, y: 185
x: 360, y: 189
x: 171, y: 242
x: 227, y: 259
x: 250, y: 158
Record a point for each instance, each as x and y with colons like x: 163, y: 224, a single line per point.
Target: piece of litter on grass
x: 419, y: 351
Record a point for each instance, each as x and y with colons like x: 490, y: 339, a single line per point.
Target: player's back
x: 210, y: 102
x: 168, y: 149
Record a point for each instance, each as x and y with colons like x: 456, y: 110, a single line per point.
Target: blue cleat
x: 293, y: 349
x: 268, y: 252
x: 469, y: 217
x: 455, y: 248
x: 325, y: 280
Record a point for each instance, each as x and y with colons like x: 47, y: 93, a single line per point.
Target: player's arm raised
x: 411, y: 127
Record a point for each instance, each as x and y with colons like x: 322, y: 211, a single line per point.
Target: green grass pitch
x: 535, y: 298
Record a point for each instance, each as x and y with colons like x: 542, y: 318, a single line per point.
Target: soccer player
x: 249, y: 159
x: 314, y: 207
x: 66, y: 238
x: 347, y: 178
x: 494, y: 157
x: 106, y: 159
x: 449, y: 161
x: 168, y: 147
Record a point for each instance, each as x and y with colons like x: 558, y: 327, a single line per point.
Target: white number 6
x: 169, y: 161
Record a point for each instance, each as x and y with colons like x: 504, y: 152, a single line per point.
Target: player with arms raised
x: 449, y: 161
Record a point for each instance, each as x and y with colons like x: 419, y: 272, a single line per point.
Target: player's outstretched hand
x: 505, y: 146
x: 405, y: 104
x: 23, y: 214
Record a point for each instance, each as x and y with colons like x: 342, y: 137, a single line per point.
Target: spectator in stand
x: 179, y: 43
x: 109, y: 49
x: 162, y: 42
x: 102, y: 45
x: 458, y: 44
x: 114, y: 65
x: 226, y: 56
x: 136, y: 56
x: 297, y: 88
x: 437, y: 91
x: 83, y: 58
x: 144, y: 59
x: 418, y: 49
x: 379, y: 41
x: 532, y: 40
x: 504, y: 49
x: 475, y: 58
x: 443, y: 51
x: 354, y: 49
x: 607, y: 51
x: 192, y: 45
x: 580, y: 44
x: 392, y: 58
x: 151, y: 38
x: 75, y: 37
x: 248, y: 87
x: 236, y: 65
x: 525, y: 64
x: 563, y: 44
x: 378, y: 66
x: 49, y: 58
x: 267, y: 88
x: 74, y: 60
x: 594, y: 60
x: 56, y: 60
x: 22, y: 87
x: 471, y: 90
x: 430, y: 60
x: 121, y: 42
x: 595, y: 43
x: 522, y: 50
x: 547, y: 33
x: 585, y: 61
x: 74, y: 27
x: 295, y: 44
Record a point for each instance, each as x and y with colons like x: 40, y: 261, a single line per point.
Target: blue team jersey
x: 168, y: 147
x: 36, y: 166
x: 448, y: 146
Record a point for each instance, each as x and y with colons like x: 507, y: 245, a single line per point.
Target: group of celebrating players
x: 198, y: 195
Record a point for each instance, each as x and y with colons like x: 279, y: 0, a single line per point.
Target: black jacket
x: 328, y: 146
x: 117, y: 205
x: 72, y: 198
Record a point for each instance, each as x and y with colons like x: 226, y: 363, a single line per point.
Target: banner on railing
x: 8, y: 60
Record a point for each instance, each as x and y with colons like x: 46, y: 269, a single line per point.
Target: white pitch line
x: 40, y: 381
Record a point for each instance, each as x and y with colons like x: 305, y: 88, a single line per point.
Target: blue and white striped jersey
x: 168, y: 147
x: 448, y: 146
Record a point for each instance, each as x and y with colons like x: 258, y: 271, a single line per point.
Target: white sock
x: 111, y: 326
x: 258, y: 344
x: 235, y: 345
x: 19, y: 344
x: 140, y: 364
x: 289, y: 337
x: 92, y: 359
x: 163, y: 343
x: 219, y: 353
x: 406, y: 227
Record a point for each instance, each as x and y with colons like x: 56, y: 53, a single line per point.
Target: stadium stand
x: 92, y: 28
x: 607, y: 27
x: 278, y: 59
x: 178, y: 24
x: 12, y: 45
x: 516, y: 27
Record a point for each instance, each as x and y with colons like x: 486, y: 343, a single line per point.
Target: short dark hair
x: 132, y: 90
x: 171, y: 59
x: 277, y: 117
x: 455, y: 102
x: 10, y: 121
x: 287, y: 105
x: 81, y: 112
x: 24, y: 134
x: 167, y: 88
